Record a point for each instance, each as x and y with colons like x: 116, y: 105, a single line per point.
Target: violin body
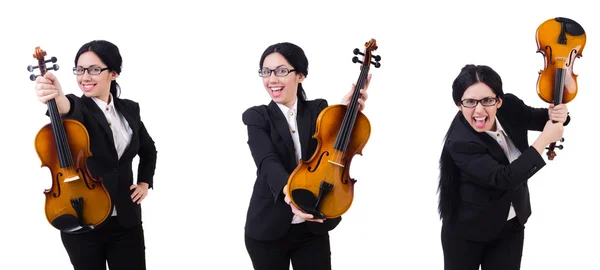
x: 561, y: 41
x: 322, y: 186
x: 76, y: 201
x: 329, y: 164
x: 95, y: 204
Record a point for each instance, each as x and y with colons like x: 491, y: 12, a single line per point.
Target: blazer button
x: 115, y: 170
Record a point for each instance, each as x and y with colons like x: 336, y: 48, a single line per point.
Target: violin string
x: 64, y: 143
x: 354, y: 108
x: 348, y: 121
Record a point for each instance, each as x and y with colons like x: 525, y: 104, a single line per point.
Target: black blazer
x: 271, y: 145
x: 488, y: 183
x: 117, y: 174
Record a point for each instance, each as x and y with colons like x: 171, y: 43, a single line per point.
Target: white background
x: 193, y: 71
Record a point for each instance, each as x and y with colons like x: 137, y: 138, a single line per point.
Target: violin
x: 76, y: 201
x: 560, y: 40
x: 322, y: 186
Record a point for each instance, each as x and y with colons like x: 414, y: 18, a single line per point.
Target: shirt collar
x: 103, y: 104
x: 499, y: 129
x: 285, y: 110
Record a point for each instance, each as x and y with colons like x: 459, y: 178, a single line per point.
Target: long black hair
x: 109, y: 55
x: 295, y: 56
x: 449, y: 173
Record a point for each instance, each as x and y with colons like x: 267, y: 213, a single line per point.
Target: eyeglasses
x: 279, y: 72
x: 93, y: 70
x: 472, y: 103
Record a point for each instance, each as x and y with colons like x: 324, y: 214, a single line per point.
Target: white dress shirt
x: 290, y: 116
x: 121, y: 130
x: 510, y: 150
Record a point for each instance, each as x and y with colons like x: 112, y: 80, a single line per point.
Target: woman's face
x: 96, y: 84
x: 479, y: 105
x: 280, y: 79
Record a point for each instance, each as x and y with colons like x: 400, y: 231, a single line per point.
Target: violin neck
x: 345, y: 132
x: 60, y: 136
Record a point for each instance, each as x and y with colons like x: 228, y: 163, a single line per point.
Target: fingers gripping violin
x: 560, y: 41
x: 322, y: 186
x: 76, y: 202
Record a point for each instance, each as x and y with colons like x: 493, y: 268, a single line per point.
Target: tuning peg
x: 562, y: 140
x: 32, y: 77
x: 53, y: 59
x: 355, y: 60
x: 556, y: 147
x: 54, y: 67
x: 357, y: 52
x: 30, y: 68
x: 377, y: 64
x: 377, y: 58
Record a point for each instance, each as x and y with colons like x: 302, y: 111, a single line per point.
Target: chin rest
x: 70, y: 224
x: 308, y: 202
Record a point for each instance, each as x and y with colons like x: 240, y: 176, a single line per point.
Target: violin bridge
x: 337, y: 164
x: 71, y: 179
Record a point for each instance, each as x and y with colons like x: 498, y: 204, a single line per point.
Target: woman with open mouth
x: 484, y: 168
x: 276, y: 232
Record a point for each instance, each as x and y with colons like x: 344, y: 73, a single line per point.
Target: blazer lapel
x: 282, y: 127
x: 520, y: 144
x: 304, y: 128
x: 99, y: 115
x: 495, y: 148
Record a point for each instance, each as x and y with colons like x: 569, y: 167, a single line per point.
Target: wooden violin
x: 560, y: 40
x: 76, y: 202
x: 322, y: 186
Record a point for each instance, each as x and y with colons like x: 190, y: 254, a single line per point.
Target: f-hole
x: 58, y: 175
x: 319, y: 162
x: 85, y: 180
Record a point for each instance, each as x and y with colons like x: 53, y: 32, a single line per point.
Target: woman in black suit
x: 279, y: 134
x: 117, y: 135
x: 485, y: 165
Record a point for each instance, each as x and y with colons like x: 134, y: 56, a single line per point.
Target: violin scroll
x: 39, y: 54
x: 369, y: 47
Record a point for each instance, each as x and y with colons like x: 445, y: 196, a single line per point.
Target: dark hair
x: 110, y: 56
x: 295, y: 56
x: 471, y: 74
x: 449, y: 177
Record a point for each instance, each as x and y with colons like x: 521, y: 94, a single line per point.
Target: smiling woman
x: 277, y: 231
x: 117, y: 135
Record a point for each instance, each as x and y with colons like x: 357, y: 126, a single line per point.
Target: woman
x: 279, y: 134
x: 117, y: 135
x: 485, y: 165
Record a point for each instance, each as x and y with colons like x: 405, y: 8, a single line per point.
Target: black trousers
x: 503, y: 253
x: 122, y: 248
x: 305, y: 250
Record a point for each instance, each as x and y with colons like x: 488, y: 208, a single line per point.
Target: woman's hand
x: 298, y: 212
x: 140, y: 192
x: 362, y: 99
x: 558, y: 113
x: 47, y: 87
